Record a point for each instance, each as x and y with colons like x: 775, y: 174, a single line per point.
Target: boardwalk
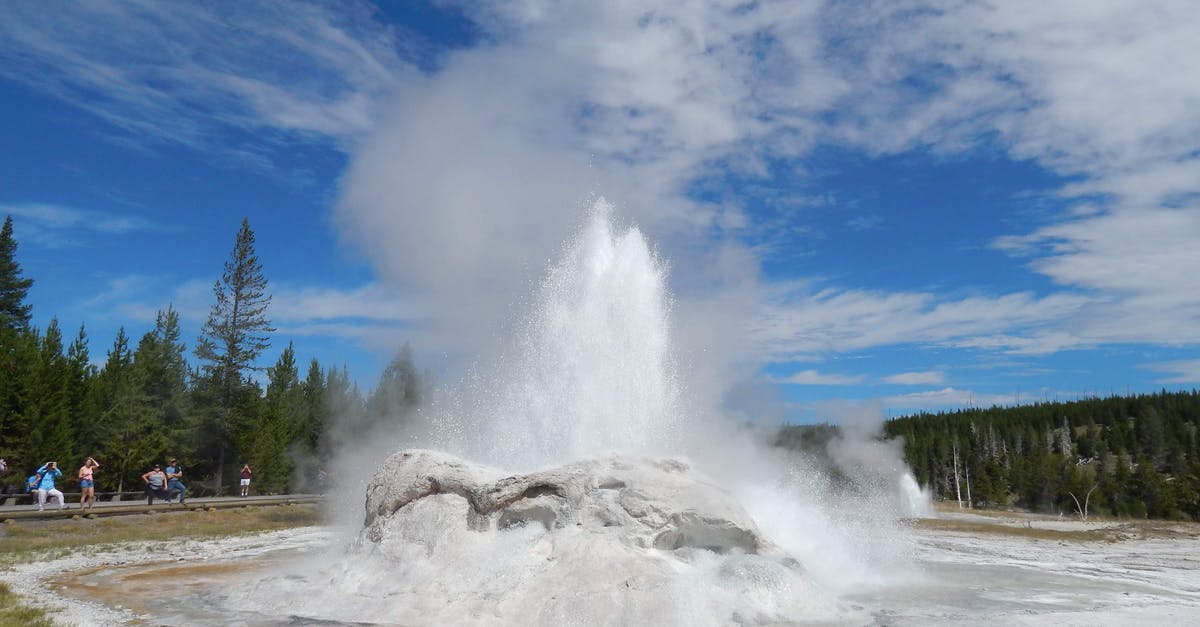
x: 119, y: 508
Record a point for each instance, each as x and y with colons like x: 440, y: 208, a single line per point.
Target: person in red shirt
x: 246, y: 474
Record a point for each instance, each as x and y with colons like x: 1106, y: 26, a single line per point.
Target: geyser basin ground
x: 999, y: 569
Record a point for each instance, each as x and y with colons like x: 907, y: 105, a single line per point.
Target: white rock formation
x: 602, y: 541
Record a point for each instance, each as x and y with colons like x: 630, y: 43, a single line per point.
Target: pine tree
x: 235, y: 334
x: 315, y: 409
x: 267, y: 444
x: 346, y: 418
x: 132, y: 437
x: 14, y: 313
x: 163, y: 371
x: 310, y: 425
x: 400, y: 389
x: 50, y: 433
x: 19, y: 358
x: 80, y: 377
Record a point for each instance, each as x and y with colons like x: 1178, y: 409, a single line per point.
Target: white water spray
x: 590, y: 381
x: 591, y: 369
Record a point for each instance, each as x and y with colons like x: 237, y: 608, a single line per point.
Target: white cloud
x: 948, y: 397
x: 799, y: 321
x: 179, y: 72
x: 1185, y: 371
x: 56, y: 226
x: 1140, y: 264
x: 371, y: 302
x: 813, y: 377
x: 928, y: 377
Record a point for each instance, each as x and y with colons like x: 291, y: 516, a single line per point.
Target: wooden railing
x: 30, y: 498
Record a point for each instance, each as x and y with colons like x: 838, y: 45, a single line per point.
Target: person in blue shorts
x: 87, y: 484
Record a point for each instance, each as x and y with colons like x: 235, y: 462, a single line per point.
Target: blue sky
x: 927, y: 205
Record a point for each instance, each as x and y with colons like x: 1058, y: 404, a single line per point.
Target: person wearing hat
x: 47, y: 474
x: 175, y: 481
x: 156, y: 485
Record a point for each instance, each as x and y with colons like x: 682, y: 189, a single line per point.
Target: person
x: 49, y: 473
x: 87, y: 484
x: 246, y: 474
x: 156, y: 485
x: 175, y: 481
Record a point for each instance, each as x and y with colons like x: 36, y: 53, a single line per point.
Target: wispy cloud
x: 947, y: 398
x: 813, y: 377
x: 929, y: 377
x: 56, y: 226
x: 1185, y: 371
x: 178, y: 72
x: 372, y: 302
x: 799, y: 321
x: 866, y: 223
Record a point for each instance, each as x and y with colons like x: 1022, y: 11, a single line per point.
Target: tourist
x: 246, y: 474
x: 156, y: 485
x: 49, y: 473
x: 175, y: 481
x: 87, y: 484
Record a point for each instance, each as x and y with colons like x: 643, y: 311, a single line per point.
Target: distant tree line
x: 1135, y: 456
x: 1132, y: 456
x: 147, y: 402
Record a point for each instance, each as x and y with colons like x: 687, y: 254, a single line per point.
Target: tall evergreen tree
x: 400, y: 389
x: 132, y: 437
x: 313, y: 418
x: 50, y: 434
x: 14, y: 312
x: 80, y: 375
x: 236, y: 333
x: 346, y: 413
x: 267, y: 444
x: 163, y: 370
x: 19, y: 358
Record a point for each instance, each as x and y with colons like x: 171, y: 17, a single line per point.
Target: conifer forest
x: 150, y: 399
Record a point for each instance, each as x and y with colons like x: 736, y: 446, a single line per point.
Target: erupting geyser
x: 574, y: 486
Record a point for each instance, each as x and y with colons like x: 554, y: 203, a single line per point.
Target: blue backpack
x: 33, y: 482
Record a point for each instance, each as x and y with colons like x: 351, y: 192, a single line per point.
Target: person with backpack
x: 175, y: 481
x: 49, y: 473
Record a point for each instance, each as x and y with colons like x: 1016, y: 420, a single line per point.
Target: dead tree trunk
x: 1083, y: 511
x: 957, y: 485
x: 967, y: 472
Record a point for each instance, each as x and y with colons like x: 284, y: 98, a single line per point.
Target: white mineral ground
x: 620, y: 541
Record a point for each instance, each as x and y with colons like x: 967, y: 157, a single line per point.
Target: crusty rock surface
x: 645, y: 503
x: 602, y: 541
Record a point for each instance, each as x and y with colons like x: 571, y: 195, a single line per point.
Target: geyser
x: 589, y: 369
x: 570, y: 483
